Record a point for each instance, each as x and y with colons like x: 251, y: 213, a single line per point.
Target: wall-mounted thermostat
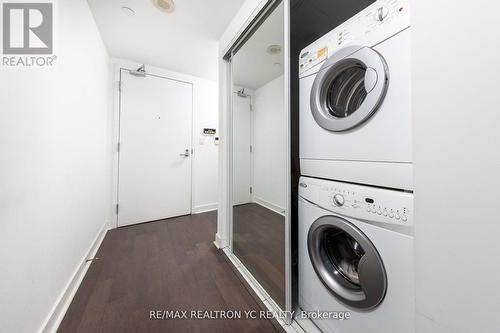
x: 209, y: 131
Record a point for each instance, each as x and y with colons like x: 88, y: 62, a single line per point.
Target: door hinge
x: 251, y: 149
x: 118, y: 147
x: 251, y: 190
x: 117, y: 208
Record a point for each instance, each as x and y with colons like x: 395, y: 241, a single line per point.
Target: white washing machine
x: 356, y: 255
x: 355, y: 107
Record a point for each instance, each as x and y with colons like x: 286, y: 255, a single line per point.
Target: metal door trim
x: 373, y: 62
x: 372, y: 275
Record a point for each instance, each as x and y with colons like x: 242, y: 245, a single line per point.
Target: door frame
x: 117, y: 66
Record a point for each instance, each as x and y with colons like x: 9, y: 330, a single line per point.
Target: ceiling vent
x: 274, y: 49
x: 167, y: 6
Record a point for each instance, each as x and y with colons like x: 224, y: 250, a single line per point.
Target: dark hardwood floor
x: 165, y: 265
x: 259, y: 243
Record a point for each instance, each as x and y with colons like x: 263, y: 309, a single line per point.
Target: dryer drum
x: 346, y: 92
x: 347, y: 262
x: 349, y: 88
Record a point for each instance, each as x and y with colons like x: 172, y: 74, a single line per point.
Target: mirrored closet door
x: 259, y: 149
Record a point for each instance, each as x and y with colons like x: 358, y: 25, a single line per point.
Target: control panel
x: 309, y: 59
x: 359, y: 202
x: 374, y: 24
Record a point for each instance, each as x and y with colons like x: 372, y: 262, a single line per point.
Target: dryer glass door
x: 347, y: 263
x: 349, y: 88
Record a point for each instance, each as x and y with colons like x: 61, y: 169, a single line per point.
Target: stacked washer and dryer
x: 355, y: 193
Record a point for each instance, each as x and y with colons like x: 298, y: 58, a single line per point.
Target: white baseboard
x: 205, y: 208
x: 270, y: 206
x: 219, y: 242
x: 57, y: 313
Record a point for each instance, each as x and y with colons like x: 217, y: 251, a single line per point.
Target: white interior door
x: 242, y: 157
x: 155, y: 148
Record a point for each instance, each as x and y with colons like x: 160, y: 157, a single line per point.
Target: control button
x: 404, y: 218
x: 385, y: 212
x: 391, y: 215
x: 379, y: 211
x: 338, y: 200
x: 397, y: 216
x: 368, y: 208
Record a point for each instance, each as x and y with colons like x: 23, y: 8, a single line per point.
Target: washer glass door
x: 347, y: 263
x: 344, y: 254
x: 349, y: 88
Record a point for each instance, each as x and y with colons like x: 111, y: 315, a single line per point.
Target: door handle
x: 185, y: 154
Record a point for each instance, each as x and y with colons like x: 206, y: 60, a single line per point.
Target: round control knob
x: 381, y: 13
x: 338, y: 200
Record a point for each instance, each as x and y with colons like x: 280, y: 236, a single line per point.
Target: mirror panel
x: 259, y: 153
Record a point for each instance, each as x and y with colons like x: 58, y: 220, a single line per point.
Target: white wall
x: 270, y: 149
x: 244, y: 15
x: 456, y: 104
x: 55, y: 167
x: 206, y: 157
x: 205, y: 115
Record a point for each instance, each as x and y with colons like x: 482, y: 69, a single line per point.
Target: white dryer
x: 355, y: 107
x: 356, y: 256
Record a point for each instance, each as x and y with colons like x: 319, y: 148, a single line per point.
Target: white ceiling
x: 185, y: 41
x: 252, y: 65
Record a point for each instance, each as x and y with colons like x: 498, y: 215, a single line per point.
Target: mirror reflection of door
x: 242, y: 143
x: 259, y: 155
